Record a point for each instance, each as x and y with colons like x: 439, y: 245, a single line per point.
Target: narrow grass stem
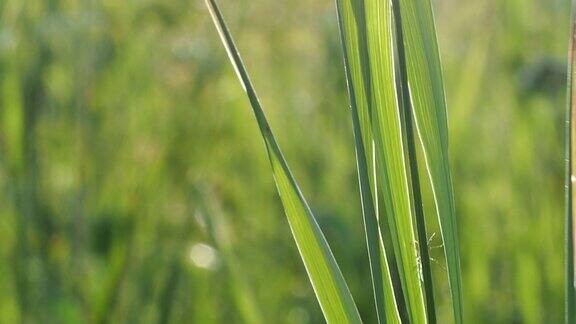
x: 570, y: 150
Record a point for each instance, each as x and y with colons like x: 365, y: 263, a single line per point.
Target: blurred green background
x: 134, y: 185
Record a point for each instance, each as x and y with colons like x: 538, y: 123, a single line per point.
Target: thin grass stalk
x: 404, y: 104
x: 570, y: 177
x: 369, y: 219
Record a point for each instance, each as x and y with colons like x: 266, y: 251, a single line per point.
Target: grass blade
x: 385, y: 301
x: 406, y: 106
x: 390, y: 136
x: 570, y: 153
x: 331, y: 290
x: 368, y: 31
x: 427, y: 94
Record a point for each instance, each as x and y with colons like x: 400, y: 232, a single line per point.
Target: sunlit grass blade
x: 390, y: 137
x: 407, y: 109
x: 368, y: 34
x: 570, y: 167
x: 385, y: 301
x: 427, y: 94
x: 331, y: 290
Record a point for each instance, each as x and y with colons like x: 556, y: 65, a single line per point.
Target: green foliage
x: 426, y: 90
x: 378, y: 119
x: 329, y: 285
x: 122, y: 125
x: 351, y: 16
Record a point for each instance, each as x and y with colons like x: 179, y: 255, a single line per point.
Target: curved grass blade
x: 427, y: 98
x: 385, y: 301
x: 570, y: 299
x: 331, y: 290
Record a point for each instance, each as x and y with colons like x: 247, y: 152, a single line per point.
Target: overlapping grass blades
x: 424, y: 79
x: 419, y: 96
x: 395, y: 87
x: 389, y: 135
x: 368, y: 27
x: 406, y: 107
x: 331, y: 290
x: 385, y: 301
x: 570, y: 139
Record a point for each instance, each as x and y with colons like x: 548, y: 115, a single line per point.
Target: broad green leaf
x: 386, y: 309
x: 570, y: 293
x: 331, y: 290
x: 427, y: 94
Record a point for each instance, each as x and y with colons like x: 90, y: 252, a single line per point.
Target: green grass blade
x: 368, y: 33
x: 406, y: 106
x: 331, y: 290
x: 385, y: 301
x: 390, y: 136
x: 427, y: 94
x: 570, y: 153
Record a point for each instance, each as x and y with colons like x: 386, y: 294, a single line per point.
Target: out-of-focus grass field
x: 134, y: 185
